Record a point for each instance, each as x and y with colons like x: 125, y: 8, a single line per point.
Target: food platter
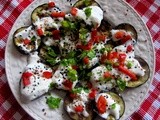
x: 116, y: 13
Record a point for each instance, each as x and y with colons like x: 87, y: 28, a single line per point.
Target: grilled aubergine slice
x: 26, y: 39
x: 141, y: 80
x: 75, y: 116
x: 119, y: 100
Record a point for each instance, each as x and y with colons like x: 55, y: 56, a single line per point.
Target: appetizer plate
x: 115, y: 12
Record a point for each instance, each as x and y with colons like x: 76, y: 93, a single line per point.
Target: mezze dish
x: 80, y: 53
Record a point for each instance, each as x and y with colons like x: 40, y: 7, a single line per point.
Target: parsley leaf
x: 68, y: 25
x: 109, y: 67
x: 121, y: 84
x: 91, y: 54
x: 53, y: 102
x: 129, y: 64
x: 72, y: 74
x: 67, y: 62
x: 88, y: 11
x: 33, y: 38
x: 113, y: 106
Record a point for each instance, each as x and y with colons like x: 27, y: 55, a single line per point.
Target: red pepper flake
x: 26, y: 78
x: 47, y: 74
x: 51, y: 4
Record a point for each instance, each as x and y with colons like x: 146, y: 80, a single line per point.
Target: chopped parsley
x: 72, y: 74
x: 79, y: 89
x: 67, y: 62
x: 68, y: 25
x: 53, y: 102
x: 88, y: 11
x: 121, y: 84
x: 91, y: 54
x: 33, y: 39
x: 129, y: 64
x: 113, y: 106
x: 109, y: 67
x: 83, y: 35
x: 51, y: 52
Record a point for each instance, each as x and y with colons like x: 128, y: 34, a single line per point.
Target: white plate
x: 116, y: 12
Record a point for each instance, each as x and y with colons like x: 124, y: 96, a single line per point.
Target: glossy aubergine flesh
x: 18, y: 40
x: 118, y: 99
x: 128, y: 28
x: 141, y: 79
x: 76, y: 116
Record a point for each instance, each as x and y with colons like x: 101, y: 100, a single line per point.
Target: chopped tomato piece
x: 74, y: 11
x: 68, y: 84
x: 26, y: 78
x: 92, y: 94
x: 103, y: 58
x: 101, y: 104
x: 26, y: 41
x: 56, y: 34
x: 47, y: 74
x: 89, y: 85
x: 120, y: 34
x: 85, y: 60
x: 58, y: 14
x: 102, y: 37
x: 127, y: 72
x: 112, y: 55
x: 107, y: 75
x: 126, y: 38
x: 51, y: 4
x: 75, y: 67
x: 122, y: 57
x: 129, y: 48
x: 40, y: 32
x: 79, y: 108
x: 94, y: 33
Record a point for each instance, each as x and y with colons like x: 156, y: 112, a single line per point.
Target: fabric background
x: 149, y: 10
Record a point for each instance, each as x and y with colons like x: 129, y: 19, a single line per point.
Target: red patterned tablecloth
x: 150, y: 13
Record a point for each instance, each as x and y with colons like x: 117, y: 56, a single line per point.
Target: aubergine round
x: 76, y: 116
x: 141, y: 79
x: 128, y: 28
x: 19, y: 41
x: 118, y: 99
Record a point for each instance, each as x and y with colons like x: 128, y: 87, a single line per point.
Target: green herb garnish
x: 67, y: 62
x: 53, y: 102
x: 109, y: 67
x: 91, y: 54
x: 129, y: 64
x: 68, y: 25
x: 121, y: 84
x: 72, y: 74
x: 113, y: 106
x: 88, y: 11
x: 33, y: 39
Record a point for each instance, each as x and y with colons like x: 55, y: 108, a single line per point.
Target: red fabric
x: 150, y: 13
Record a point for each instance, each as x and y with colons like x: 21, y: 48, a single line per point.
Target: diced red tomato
x: 58, y: 14
x: 102, y: 37
x: 86, y: 60
x: 75, y: 67
x: 126, y: 38
x: 79, y: 108
x: 101, y: 104
x: 68, y: 84
x: 26, y: 41
x: 47, y: 74
x: 122, y: 57
x: 92, y: 94
x: 73, y: 95
x: 56, y: 34
x: 129, y: 48
x: 127, y: 72
x: 94, y: 33
x: 51, y: 4
x: 120, y: 34
x: 26, y: 78
x: 107, y: 75
x: 74, y: 11
x: 40, y: 32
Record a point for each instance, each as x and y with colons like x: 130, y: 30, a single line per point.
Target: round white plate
x: 116, y: 12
